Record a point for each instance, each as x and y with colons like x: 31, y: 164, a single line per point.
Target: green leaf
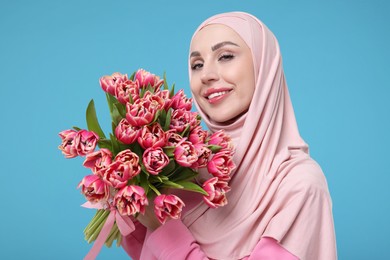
x: 165, y: 82
x: 162, y: 117
x: 164, y: 178
x: 214, y: 148
x: 121, y: 108
x: 113, y: 126
x: 186, y: 130
x: 143, y: 169
x: 172, y: 92
x: 132, y: 76
x: 142, y: 92
x: 105, y: 143
x: 92, y: 121
x: 137, y: 149
x: 190, y: 186
x: 155, y: 179
x: 183, y: 174
x: 110, y: 101
x: 171, y: 184
x: 143, y: 182
x: 131, y: 101
x: 115, y: 144
x: 76, y: 128
x: 117, y: 109
x: 116, y: 115
x: 150, y: 88
x: 156, y: 117
x: 168, y: 120
x: 168, y: 150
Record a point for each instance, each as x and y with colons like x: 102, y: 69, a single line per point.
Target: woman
x: 279, y: 205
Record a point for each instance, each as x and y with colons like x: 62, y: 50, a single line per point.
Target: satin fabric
x: 277, y: 189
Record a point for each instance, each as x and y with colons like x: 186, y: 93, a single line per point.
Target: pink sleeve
x: 179, y: 244
x: 269, y: 248
x: 133, y: 243
x: 182, y: 245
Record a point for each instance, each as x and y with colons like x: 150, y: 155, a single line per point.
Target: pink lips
x: 214, y: 95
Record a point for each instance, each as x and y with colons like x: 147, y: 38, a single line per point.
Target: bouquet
x: 157, y: 144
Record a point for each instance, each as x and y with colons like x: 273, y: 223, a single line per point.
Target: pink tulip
x: 164, y: 94
x: 109, y: 83
x: 155, y: 160
x: 140, y: 113
x: 152, y: 136
x: 131, y: 200
x: 198, y: 135
x: 68, y: 145
x: 145, y: 78
x: 221, y: 164
x: 124, y: 168
x: 94, y: 188
x: 180, y: 101
x: 126, y: 89
x: 85, y: 142
x: 185, y: 153
x: 167, y: 206
x: 220, y: 138
x: 98, y: 161
x: 182, y: 118
x: 156, y: 102
x: 204, y: 154
x: 216, y: 190
x: 173, y: 138
x: 130, y: 162
x: 116, y: 175
x: 127, y: 133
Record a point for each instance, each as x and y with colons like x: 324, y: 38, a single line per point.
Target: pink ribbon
x: 124, y: 223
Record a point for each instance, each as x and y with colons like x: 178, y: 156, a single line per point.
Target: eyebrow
x: 195, y: 54
x: 219, y: 45
x: 214, y: 48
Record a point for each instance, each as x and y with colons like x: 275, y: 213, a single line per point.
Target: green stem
x: 119, y: 239
x: 154, y: 189
x: 97, y: 215
x: 112, y: 236
x: 97, y: 225
x: 98, y: 229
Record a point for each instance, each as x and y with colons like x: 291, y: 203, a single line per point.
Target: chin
x: 226, y: 120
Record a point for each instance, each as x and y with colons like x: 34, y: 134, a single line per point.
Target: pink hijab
x: 278, y: 191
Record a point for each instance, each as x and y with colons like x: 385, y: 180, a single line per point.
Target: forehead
x: 213, y: 34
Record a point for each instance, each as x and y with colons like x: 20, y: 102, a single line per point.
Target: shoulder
x: 304, y: 178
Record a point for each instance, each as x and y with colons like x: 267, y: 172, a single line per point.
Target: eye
x: 196, y: 65
x: 226, y: 57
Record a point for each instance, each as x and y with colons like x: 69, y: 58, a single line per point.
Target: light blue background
x: 52, y: 53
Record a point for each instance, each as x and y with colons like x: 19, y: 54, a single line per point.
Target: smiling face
x: 222, y: 73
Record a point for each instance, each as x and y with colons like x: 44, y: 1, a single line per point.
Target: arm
x: 133, y: 243
x: 182, y: 245
x: 179, y: 244
x: 269, y: 248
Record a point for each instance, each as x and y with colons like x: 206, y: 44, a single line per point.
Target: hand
x: 149, y: 219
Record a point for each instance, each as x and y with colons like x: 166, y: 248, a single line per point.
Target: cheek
x: 195, y: 88
x: 248, y: 79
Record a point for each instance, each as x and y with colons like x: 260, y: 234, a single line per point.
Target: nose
x: 209, y: 74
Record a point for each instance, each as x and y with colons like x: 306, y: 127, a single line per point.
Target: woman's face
x: 222, y: 73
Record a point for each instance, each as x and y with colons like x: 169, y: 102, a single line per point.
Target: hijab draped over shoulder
x: 277, y: 190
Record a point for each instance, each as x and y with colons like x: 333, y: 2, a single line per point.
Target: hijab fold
x: 277, y: 190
